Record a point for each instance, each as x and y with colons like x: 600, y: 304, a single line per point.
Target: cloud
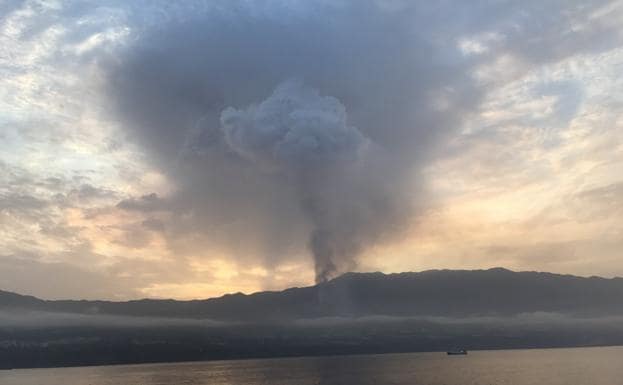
x: 89, y: 193
x: 325, y: 161
x: 294, y: 130
x: 15, y: 202
x: 332, y: 160
x: 30, y: 275
x: 155, y: 130
x: 305, y: 137
x: 146, y: 203
x: 599, y: 203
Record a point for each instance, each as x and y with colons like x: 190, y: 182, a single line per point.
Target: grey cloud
x: 137, y: 235
x: 536, y: 32
x: 60, y: 231
x: 88, y: 193
x: 40, y: 200
x: 153, y: 224
x: 598, y: 203
x: 294, y: 127
x: 609, y: 194
x: 202, y: 93
x: 53, y: 183
x: 145, y: 203
x: 556, y: 34
x: 21, y: 202
x: 210, y: 100
x: 306, y: 138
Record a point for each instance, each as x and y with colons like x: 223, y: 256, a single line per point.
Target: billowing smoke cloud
x: 295, y: 129
x: 290, y: 129
x: 306, y: 138
x: 266, y: 167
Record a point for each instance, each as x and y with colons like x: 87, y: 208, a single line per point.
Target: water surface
x: 580, y: 366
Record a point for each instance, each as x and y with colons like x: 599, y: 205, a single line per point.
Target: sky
x: 156, y: 149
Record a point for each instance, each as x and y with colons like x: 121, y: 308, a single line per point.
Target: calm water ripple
x: 582, y: 366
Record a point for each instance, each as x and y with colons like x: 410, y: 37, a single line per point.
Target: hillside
x: 447, y: 293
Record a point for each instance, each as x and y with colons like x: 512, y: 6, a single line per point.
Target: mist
x: 41, y: 320
x: 24, y: 319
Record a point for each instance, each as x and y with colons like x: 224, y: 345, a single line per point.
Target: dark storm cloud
x: 263, y: 163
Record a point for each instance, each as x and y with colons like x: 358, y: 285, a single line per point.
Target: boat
x: 457, y: 352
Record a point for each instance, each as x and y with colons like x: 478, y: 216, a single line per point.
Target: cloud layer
x: 327, y: 160
x: 210, y: 147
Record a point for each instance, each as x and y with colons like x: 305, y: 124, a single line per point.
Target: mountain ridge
x: 452, y: 293
x: 350, y: 273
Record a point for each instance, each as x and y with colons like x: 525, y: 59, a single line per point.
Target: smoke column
x: 290, y: 129
x: 306, y: 138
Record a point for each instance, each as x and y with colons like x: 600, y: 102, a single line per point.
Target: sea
x: 576, y: 366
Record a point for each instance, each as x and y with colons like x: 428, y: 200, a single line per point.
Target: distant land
x: 451, y: 293
x: 354, y: 313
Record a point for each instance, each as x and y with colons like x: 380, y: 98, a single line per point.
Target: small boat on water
x: 457, y: 352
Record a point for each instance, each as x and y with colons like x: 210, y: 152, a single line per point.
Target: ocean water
x: 581, y: 366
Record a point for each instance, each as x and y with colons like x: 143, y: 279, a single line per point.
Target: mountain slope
x: 450, y: 293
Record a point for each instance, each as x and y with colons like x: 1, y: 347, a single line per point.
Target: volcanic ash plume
x: 305, y: 138
x: 295, y: 131
x: 262, y: 166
